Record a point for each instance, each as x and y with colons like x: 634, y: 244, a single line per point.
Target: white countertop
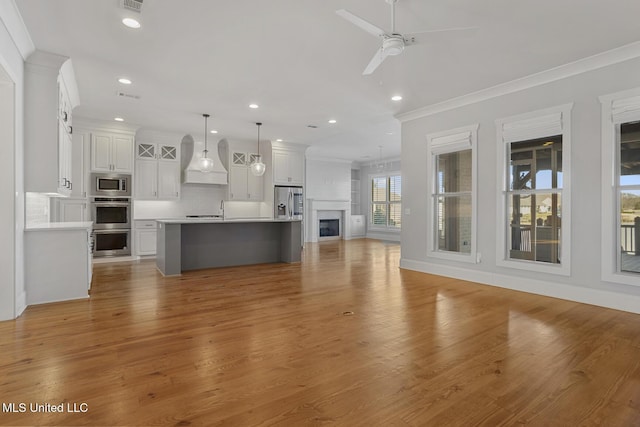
x: 52, y: 226
x: 220, y: 220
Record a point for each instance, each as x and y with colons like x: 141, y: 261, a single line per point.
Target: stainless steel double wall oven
x: 111, y: 214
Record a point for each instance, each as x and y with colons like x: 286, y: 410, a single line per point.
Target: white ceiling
x: 302, y: 63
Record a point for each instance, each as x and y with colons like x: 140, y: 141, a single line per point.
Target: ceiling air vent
x: 127, y: 95
x: 134, y: 5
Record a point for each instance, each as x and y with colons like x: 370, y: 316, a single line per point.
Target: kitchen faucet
x: 222, y: 207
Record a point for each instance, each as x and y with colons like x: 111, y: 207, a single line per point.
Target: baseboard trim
x: 598, y: 297
x: 21, y: 303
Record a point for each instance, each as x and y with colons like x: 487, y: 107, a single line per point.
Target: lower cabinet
x: 358, y: 226
x: 58, y: 264
x: 145, y: 236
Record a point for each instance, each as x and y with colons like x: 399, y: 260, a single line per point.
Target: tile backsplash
x: 37, y: 209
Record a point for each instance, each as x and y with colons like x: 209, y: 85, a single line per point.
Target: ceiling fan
x: 393, y: 43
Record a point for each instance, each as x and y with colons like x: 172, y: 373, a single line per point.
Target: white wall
x: 15, y: 45
x: 584, y: 283
x: 328, y: 179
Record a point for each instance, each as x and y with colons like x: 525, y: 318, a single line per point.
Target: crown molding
x: 590, y: 63
x: 327, y: 159
x: 154, y: 135
x: 10, y: 16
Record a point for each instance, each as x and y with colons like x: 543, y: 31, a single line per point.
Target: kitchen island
x: 193, y: 244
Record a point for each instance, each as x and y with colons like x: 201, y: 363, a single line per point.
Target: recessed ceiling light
x: 213, y: 131
x: 389, y: 133
x: 124, y: 81
x: 279, y: 140
x: 118, y: 119
x: 396, y: 98
x: 254, y: 106
x: 131, y: 23
x: 332, y: 121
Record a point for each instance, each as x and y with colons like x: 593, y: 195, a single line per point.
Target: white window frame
x: 451, y: 141
x: 533, y: 125
x: 617, y: 108
x: 386, y: 175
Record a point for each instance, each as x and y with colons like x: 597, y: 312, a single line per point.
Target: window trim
x: 533, y: 125
x: 444, y: 142
x: 617, y: 108
x: 370, y: 224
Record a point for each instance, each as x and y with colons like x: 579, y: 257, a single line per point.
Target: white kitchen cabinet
x: 288, y: 167
x: 50, y: 95
x: 72, y: 210
x: 111, y: 152
x: 243, y: 185
x: 79, y: 171
x: 237, y: 157
x: 145, y: 237
x: 157, y: 172
x: 58, y: 262
x: 358, y: 226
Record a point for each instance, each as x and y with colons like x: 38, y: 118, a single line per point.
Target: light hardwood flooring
x: 344, y: 338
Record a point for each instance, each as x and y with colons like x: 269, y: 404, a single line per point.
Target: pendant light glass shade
x: 206, y: 164
x: 257, y: 167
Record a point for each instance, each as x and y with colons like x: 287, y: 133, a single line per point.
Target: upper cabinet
x: 288, y: 164
x: 157, y: 171
x: 243, y: 185
x: 111, y: 152
x: 50, y: 96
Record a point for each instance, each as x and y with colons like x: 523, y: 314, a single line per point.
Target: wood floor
x: 345, y: 338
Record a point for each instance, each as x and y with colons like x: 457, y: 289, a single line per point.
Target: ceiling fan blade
x: 365, y: 25
x: 375, y: 62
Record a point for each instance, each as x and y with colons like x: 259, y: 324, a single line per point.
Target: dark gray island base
x: 185, y: 245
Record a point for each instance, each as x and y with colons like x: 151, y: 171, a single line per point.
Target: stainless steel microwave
x: 112, y: 185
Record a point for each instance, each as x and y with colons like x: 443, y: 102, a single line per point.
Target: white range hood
x: 191, y: 155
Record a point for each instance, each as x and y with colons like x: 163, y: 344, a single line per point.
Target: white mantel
x: 315, y: 205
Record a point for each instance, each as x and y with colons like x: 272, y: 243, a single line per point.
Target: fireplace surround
x: 328, y: 210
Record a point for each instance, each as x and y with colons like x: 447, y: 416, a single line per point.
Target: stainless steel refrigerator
x: 288, y: 203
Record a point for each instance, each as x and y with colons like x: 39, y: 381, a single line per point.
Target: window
x: 386, y: 201
x: 621, y: 187
x: 535, y: 200
x: 628, y: 194
x: 534, y: 227
x: 452, y: 195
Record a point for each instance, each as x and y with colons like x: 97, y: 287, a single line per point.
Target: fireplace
x: 329, y: 228
x: 330, y: 225
x: 323, y: 216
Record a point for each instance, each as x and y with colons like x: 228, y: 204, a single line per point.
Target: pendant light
x: 257, y: 167
x: 206, y: 164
